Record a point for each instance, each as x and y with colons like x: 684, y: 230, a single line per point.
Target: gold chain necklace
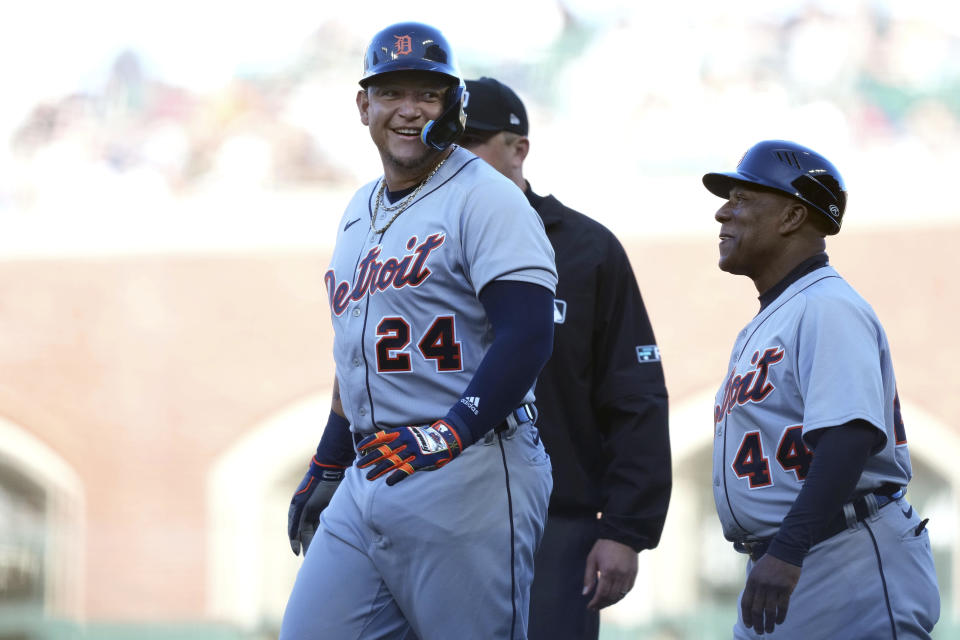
x: 401, y: 206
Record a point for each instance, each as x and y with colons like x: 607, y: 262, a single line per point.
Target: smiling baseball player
x: 811, y: 463
x: 441, y: 295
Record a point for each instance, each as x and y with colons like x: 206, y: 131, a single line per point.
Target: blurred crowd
x: 865, y: 73
x: 136, y: 123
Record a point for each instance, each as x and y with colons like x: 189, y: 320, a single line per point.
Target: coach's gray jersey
x: 410, y: 330
x: 808, y: 361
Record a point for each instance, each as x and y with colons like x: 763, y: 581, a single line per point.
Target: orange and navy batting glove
x: 406, y: 450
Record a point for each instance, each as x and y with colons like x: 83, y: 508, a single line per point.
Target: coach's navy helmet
x: 414, y: 46
x: 792, y: 169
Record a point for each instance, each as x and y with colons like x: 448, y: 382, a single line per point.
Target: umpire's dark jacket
x: 602, y: 397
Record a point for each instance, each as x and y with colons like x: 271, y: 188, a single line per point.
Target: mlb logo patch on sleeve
x: 648, y: 353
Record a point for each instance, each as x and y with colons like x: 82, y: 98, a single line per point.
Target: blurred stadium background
x: 170, y: 180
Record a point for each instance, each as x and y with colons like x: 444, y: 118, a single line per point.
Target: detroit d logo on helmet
x: 403, y: 45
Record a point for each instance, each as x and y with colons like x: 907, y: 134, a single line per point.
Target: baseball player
x: 441, y: 291
x: 811, y: 461
x: 601, y: 397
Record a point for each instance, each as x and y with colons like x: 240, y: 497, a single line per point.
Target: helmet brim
x: 720, y: 183
x: 386, y: 68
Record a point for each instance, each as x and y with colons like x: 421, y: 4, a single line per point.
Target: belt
x: 521, y: 415
x: 526, y: 412
x: 857, y: 510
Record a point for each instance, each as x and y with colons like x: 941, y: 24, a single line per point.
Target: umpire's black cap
x: 493, y: 106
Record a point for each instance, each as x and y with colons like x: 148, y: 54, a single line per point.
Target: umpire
x: 601, y: 397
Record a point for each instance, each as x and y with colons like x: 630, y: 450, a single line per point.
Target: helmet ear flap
x: 441, y: 133
x: 825, y: 195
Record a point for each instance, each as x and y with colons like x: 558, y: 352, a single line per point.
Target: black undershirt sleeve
x: 336, y: 443
x: 840, y: 455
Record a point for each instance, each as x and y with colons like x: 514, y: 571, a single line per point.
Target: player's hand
x: 311, y: 497
x: 611, y: 571
x: 406, y: 450
x: 767, y: 594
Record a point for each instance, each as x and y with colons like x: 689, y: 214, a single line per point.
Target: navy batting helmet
x: 792, y: 169
x: 414, y: 46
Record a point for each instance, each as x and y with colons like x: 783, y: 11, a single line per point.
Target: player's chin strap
x: 525, y: 413
x: 440, y: 133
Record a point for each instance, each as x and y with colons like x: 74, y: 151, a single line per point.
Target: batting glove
x: 406, y: 450
x: 311, y: 497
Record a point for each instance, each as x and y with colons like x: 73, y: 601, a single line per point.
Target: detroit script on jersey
x: 816, y: 357
x: 409, y: 329
x: 749, y: 387
x: 373, y: 275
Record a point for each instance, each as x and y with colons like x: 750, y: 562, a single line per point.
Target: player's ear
x: 793, y: 216
x: 363, y: 106
x: 522, y: 148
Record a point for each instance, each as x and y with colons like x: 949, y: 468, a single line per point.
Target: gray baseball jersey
x: 448, y: 552
x: 816, y: 357
x: 410, y: 330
